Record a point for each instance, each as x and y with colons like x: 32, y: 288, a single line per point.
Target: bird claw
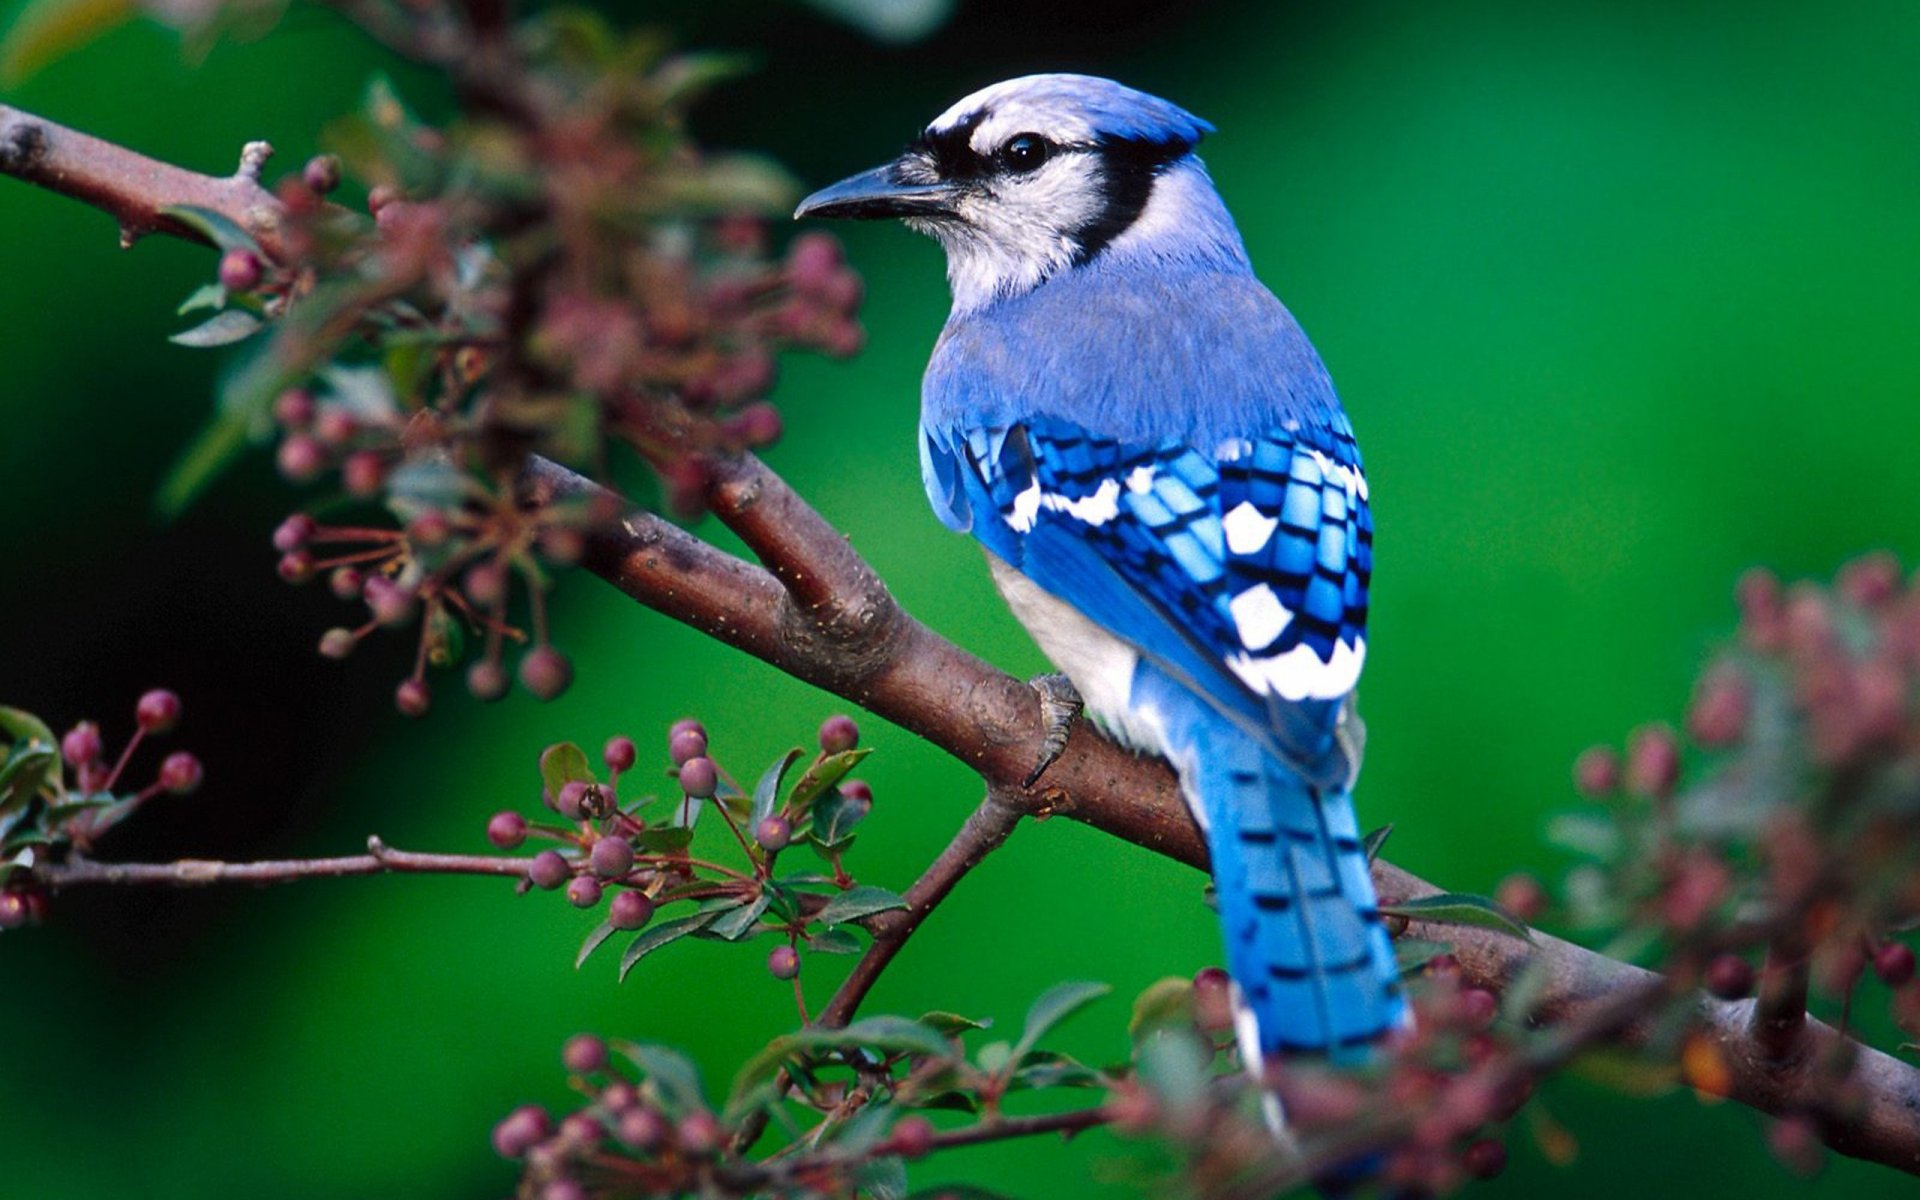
x: 1060, y: 706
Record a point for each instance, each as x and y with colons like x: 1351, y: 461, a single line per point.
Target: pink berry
x: 487, y: 680
x: 520, y: 1131
x: 1894, y: 964
x: 300, y: 457
x: 181, y: 773
x: 294, y: 532
x: 157, y: 711
x: 699, y: 777
x: 545, y: 672
x: 413, y: 698
x: 630, y: 910
x: 584, y: 1053
x: 686, y: 745
x: 584, y: 891
x: 838, y: 734
x: 912, y: 1136
x: 507, y: 830
x: 611, y: 857
x: 82, y: 744
x: 773, y: 833
x: 549, y: 870
x: 620, y: 754
x: 322, y: 173
x: 337, y: 643
x: 239, y: 270
x: 784, y: 962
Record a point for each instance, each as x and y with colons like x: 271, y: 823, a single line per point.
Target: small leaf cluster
x: 820, y: 1112
x: 58, y: 798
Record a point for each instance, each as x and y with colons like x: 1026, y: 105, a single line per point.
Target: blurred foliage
x: 1621, y: 299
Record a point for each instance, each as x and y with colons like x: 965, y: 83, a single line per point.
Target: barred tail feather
x: 1305, y: 944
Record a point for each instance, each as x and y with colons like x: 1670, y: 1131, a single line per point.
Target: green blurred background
x: 1622, y: 297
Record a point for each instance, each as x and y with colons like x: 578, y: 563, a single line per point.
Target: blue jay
x: 1171, y: 502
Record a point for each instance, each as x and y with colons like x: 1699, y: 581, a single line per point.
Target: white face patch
x: 1017, y: 229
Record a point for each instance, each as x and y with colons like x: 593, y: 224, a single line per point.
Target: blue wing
x: 1240, y: 569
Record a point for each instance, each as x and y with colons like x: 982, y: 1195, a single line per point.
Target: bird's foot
x: 1060, y: 706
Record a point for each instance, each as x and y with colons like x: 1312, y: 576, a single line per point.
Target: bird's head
x: 1040, y: 174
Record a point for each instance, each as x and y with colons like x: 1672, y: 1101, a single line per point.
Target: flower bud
x: 838, y: 734
x: 507, y: 830
x: 82, y: 744
x: 630, y: 910
x: 181, y: 773
x: 549, y: 870
x: 783, y: 962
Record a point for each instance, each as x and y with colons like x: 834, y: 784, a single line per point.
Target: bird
x: 1172, y: 503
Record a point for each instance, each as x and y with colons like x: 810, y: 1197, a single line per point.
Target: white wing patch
x: 1299, y: 674
x: 1099, y: 508
x: 1247, y: 528
x: 1259, y: 616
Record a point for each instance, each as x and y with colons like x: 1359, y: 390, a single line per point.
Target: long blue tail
x: 1304, y: 937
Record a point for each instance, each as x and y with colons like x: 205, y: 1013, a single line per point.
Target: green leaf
x: 882, y: 1178
x: 600, y: 934
x: 664, y: 839
x: 1174, y: 1064
x: 1459, y: 908
x: 221, y: 329
x: 766, y: 793
x: 888, y: 1035
x: 1166, y: 1001
x: 215, y: 227
x: 670, y: 1072
x: 862, y: 901
x: 561, y: 764
x: 1586, y: 834
x: 659, y: 934
x: 834, y: 817
x: 821, y: 775
x: 207, y: 295
x: 44, y: 30
x: 950, y: 1102
x: 1375, y: 841
x: 736, y: 923
x: 1411, y: 954
x: 952, y: 1024
x: 31, y: 763
x: 1045, y: 1070
x: 835, y: 941
x: 216, y: 446
x: 1055, y: 1005
x: 994, y: 1056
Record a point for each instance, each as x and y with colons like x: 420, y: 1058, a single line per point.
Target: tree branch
x: 197, y: 872
x: 820, y: 614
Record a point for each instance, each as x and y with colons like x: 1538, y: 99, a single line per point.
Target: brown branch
x: 196, y: 872
x: 133, y: 188
x: 1780, y: 1013
x: 985, y: 829
x: 822, y: 616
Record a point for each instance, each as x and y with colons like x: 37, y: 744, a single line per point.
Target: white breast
x: 1099, y: 664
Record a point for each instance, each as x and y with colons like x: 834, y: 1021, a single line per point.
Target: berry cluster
x: 57, y: 802
x: 1777, y: 836
x: 572, y: 276
x: 639, y: 847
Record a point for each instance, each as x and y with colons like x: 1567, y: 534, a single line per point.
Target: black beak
x: 878, y: 193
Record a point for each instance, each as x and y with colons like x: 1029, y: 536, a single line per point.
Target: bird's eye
x: 1025, y: 151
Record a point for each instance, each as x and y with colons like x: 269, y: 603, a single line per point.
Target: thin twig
x: 985, y: 830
